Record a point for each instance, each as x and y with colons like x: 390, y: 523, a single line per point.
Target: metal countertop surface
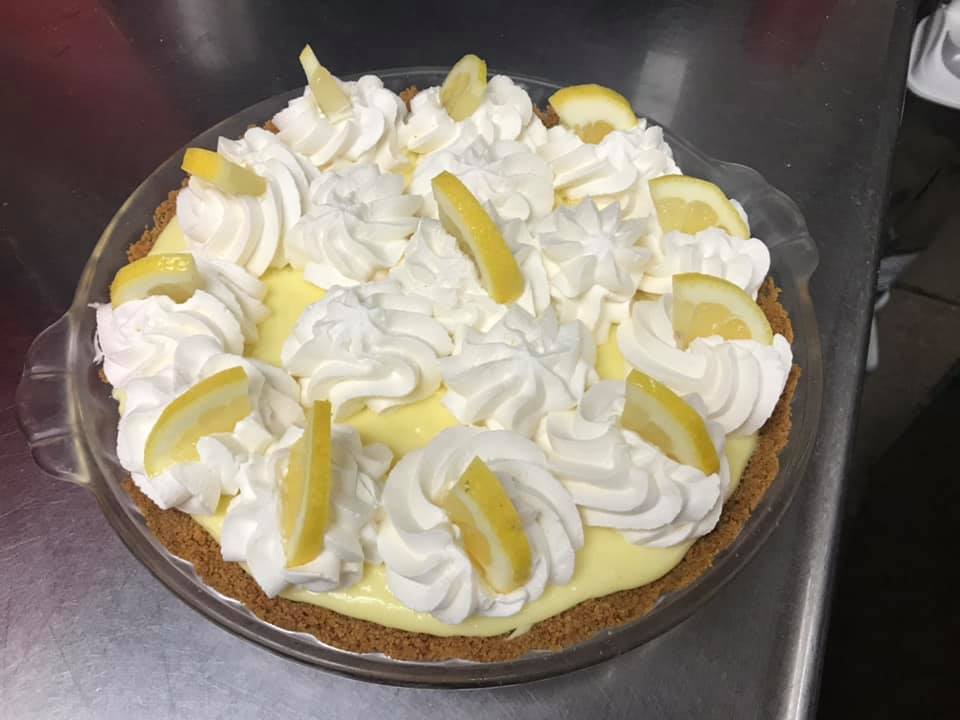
x: 97, y: 94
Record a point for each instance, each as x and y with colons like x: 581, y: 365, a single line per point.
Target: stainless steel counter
x: 95, y: 96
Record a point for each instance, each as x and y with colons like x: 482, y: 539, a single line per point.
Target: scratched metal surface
x: 806, y: 91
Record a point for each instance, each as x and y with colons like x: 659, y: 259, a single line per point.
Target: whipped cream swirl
x: 367, y: 133
x: 521, y: 369
x: 251, y: 528
x: 506, y: 175
x: 357, y: 224
x: 595, y: 263
x: 506, y: 113
x: 139, y: 338
x: 434, y: 267
x: 616, y: 169
x: 370, y: 345
x: 739, y: 381
x: 745, y: 263
x: 622, y: 482
x: 195, y: 487
x: 243, y: 229
x: 427, y: 567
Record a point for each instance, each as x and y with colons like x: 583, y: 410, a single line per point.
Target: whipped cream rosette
x: 506, y: 175
x: 614, y: 170
x: 506, y: 113
x: 371, y: 345
x: 244, y: 229
x: 434, y: 267
x: 427, y: 567
x: 139, y: 338
x: 713, y: 251
x: 522, y: 368
x: 195, y: 487
x: 251, y: 528
x: 622, y: 482
x: 365, y: 134
x: 595, y: 262
x: 357, y: 224
x: 739, y: 381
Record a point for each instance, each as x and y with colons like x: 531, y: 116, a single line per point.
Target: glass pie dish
x: 70, y: 420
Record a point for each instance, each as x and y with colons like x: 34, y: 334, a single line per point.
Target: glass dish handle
x: 46, y: 415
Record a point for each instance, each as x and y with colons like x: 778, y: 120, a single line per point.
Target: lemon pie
x: 435, y: 378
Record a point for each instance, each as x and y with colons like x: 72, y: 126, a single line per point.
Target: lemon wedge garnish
x: 690, y: 205
x: 665, y: 420
x: 306, y: 489
x: 174, y: 275
x: 490, y: 527
x: 704, y: 305
x: 213, y: 405
x: 229, y: 177
x: 462, y: 215
x: 592, y: 111
x: 464, y: 87
x: 327, y: 93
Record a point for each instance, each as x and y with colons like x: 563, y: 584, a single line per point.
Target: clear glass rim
x: 795, y: 244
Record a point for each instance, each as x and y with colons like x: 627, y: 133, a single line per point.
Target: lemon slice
x: 327, y: 93
x: 490, y: 527
x: 464, y: 87
x: 229, y: 177
x: 664, y: 419
x: 463, y: 216
x: 592, y: 111
x: 306, y: 489
x: 174, y: 275
x: 704, y: 305
x: 690, y: 205
x: 213, y: 405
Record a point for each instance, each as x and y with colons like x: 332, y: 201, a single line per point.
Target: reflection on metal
x: 659, y: 85
x: 214, y: 33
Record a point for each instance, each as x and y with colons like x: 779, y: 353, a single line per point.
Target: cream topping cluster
x: 367, y: 346
x: 505, y: 174
x: 428, y: 569
x: 139, y: 338
x: 621, y: 481
x: 195, y: 487
x: 356, y: 224
x: 240, y: 229
x: 506, y: 113
x: 405, y: 316
x: 366, y: 134
x: 509, y: 377
x: 615, y: 170
x: 251, y: 528
x: 739, y: 381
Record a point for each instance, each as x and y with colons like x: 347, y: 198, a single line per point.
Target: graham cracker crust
x: 183, y: 537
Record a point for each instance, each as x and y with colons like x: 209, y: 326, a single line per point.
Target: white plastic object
x: 934, y: 71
